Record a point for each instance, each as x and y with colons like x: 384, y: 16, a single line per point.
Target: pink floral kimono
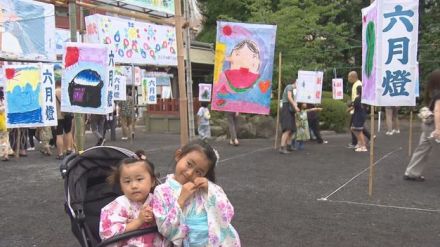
x: 178, y: 225
x: 114, y: 219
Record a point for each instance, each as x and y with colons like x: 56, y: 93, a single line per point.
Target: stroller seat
x: 87, y: 192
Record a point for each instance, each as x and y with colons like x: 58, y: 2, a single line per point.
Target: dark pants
x: 314, y: 127
x: 110, y: 125
x: 31, y: 135
x: 366, y: 133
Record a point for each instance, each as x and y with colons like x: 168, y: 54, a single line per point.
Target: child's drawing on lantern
x: 243, y: 67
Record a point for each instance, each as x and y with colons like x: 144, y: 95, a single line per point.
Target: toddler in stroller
x: 87, y: 192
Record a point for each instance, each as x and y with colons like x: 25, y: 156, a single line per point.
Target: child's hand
x: 201, y: 183
x: 187, y: 190
x: 148, y: 214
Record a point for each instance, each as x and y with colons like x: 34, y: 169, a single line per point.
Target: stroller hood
x: 91, y: 167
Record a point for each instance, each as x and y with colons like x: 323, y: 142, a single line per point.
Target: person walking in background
x: 233, y: 127
x: 313, y: 120
x: 64, y: 138
x: 392, y: 120
x: 288, y: 110
x: 31, y: 135
x: 18, y: 139
x: 203, y: 117
x: 353, y: 79
x: 126, y: 115
x: 45, y: 135
x: 430, y: 136
x: 110, y: 124
x: 97, y: 123
x: 358, y: 120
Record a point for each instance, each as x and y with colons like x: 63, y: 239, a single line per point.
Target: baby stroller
x: 86, y: 192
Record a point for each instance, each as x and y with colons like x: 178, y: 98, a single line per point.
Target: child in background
x: 359, y: 117
x: 132, y: 210
x: 203, y: 117
x: 190, y: 209
x: 302, y: 126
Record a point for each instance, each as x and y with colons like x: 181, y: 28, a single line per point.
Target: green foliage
x: 329, y: 95
x: 274, y: 105
x: 334, y: 115
x: 319, y: 34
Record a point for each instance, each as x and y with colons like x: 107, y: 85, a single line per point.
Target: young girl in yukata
x: 133, y: 210
x: 190, y: 209
x: 302, y: 126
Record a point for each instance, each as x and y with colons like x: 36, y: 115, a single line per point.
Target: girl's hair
x: 359, y: 90
x: 205, y: 148
x: 433, y: 86
x: 204, y: 104
x: 250, y: 44
x: 115, y: 176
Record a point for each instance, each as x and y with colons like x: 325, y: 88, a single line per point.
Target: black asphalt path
x: 315, y: 197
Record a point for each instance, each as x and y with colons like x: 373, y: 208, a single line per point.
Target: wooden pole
x: 188, y: 70
x: 370, y: 178
x: 78, y: 118
x: 410, y: 132
x: 183, y: 101
x: 133, y: 97
x: 278, y: 101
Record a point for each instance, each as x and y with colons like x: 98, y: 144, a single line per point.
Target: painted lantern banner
x: 61, y: 37
x: 149, y: 90
x: 126, y: 71
x: 205, y: 92
x: 27, y: 30
x: 338, y: 88
x: 88, y: 77
x: 166, y: 6
x: 309, y: 86
x: 30, y: 95
x: 120, y: 88
x: 133, y: 41
x: 389, y: 52
x: 243, y: 67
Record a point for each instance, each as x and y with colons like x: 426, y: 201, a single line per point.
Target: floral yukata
x: 114, y: 219
x: 204, y: 221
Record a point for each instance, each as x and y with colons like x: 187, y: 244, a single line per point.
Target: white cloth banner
x: 338, y: 88
x: 389, y: 52
x: 149, y: 83
x: 133, y: 41
x: 88, y: 78
x: 120, y: 88
x: 30, y: 96
x: 309, y: 86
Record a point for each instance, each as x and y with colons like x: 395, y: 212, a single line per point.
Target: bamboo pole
x: 410, y: 133
x: 183, y: 101
x: 78, y: 118
x: 278, y: 100
x: 370, y: 177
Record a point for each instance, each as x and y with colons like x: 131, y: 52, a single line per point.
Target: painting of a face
x: 245, y: 58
